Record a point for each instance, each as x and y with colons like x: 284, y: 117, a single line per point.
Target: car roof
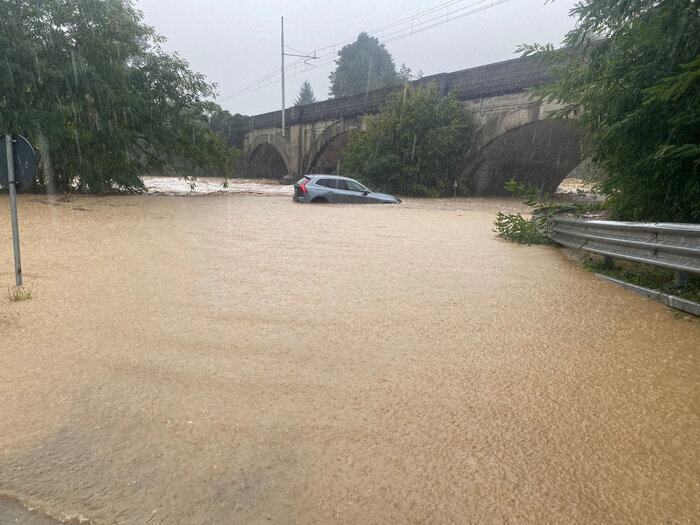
x: 313, y: 175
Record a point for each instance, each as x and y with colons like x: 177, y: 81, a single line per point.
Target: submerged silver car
x: 331, y: 189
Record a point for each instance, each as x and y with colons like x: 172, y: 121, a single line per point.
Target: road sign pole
x: 13, y: 208
x: 284, y: 126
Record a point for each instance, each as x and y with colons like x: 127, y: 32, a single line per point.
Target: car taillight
x: 302, y: 186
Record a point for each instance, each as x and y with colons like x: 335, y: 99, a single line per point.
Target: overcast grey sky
x: 235, y: 42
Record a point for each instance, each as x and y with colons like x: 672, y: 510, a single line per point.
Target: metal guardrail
x: 668, y: 245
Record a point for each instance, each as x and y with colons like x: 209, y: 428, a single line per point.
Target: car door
x: 358, y: 191
x: 328, y: 192
x: 343, y: 192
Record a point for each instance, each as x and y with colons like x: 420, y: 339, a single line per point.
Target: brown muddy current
x: 239, y: 358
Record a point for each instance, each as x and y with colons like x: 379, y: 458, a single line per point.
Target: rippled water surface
x: 238, y: 358
x: 208, y: 186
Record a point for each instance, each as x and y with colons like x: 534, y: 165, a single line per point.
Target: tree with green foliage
x: 232, y: 128
x: 88, y: 84
x: 362, y: 66
x: 631, y: 70
x: 417, y: 145
x: 306, y: 95
x: 405, y: 74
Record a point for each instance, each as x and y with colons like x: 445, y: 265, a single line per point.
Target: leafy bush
x: 538, y: 229
x: 416, y: 145
x: 518, y: 229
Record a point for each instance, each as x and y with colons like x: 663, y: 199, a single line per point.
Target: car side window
x: 328, y: 183
x: 354, y: 186
x: 342, y: 184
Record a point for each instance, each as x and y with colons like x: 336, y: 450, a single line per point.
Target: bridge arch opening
x: 540, y: 153
x: 327, y: 160
x: 266, y: 162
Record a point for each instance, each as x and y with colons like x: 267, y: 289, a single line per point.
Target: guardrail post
x: 680, y: 278
x: 608, y: 261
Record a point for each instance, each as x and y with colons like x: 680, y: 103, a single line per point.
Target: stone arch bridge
x: 517, y: 136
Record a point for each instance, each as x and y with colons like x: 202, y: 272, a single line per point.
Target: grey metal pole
x: 282, y: 72
x: 13, y: 208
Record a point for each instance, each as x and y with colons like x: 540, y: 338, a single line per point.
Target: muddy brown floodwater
x: 238, y: 358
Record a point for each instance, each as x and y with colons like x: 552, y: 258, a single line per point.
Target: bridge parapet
x: 500, y: 78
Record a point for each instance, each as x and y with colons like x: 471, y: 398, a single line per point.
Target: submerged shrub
x: 516, y: 228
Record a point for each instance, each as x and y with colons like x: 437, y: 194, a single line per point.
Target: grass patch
x: 660, y: 279
x: 18, y: 294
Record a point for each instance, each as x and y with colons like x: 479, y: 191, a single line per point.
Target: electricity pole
x: 284, y: 54
x: 282, y: 72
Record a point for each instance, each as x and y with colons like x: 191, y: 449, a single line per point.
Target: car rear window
x: 300, y: 181
x: 328, y: 183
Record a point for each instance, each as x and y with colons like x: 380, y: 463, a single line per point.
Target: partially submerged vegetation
x: 18, y: 294
x: 537, y: 228
x: 516, y: 228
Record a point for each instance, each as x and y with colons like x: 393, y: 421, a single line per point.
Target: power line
x: 451, y: 18
x: 267, y: 79
x: 294, y: 49
x: 411, y: 18
x: 417, y: 26
x: 262, y: 81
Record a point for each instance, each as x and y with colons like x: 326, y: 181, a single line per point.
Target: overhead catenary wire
x: 414, y: 28
x: 417, y: 26
x: 412, y: 19
x: 294, y: 49
x: 452, y: 18
x: 333, y: 47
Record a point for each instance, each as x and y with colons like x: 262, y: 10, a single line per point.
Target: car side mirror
x: 365, y: 193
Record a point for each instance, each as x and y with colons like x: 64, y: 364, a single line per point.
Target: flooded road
x: 239, y: 358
